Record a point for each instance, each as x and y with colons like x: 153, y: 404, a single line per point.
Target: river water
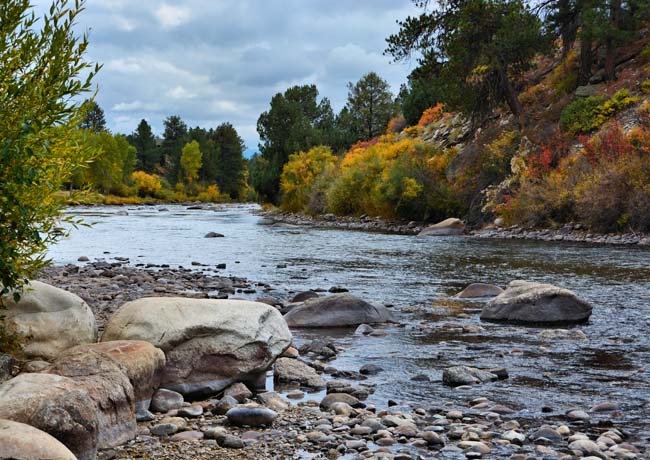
x: 418, y: 277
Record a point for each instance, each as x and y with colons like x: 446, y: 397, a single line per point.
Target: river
x: 418, y: 277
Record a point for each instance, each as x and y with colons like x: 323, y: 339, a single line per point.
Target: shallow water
x: 406, y: 271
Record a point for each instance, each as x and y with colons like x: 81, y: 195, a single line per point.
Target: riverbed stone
x: 209, y: 344
x: 464, y: 375
x: 239, y: 391
x: 273, y: 401
x: 56, y: 405
x: 329, y: 400
x: 109, y: 388
x: 478, y: 290
x: 20, y: 441
x: 50, y: 319
x: 530, y: 302
x: 305, y: 295
x: 164, y: 400
x: 447, y: 227
x: 141, y: 361
x: 562, y: 334
x: 251, y: 416
x: 292, y: 370
x: 338, y: 310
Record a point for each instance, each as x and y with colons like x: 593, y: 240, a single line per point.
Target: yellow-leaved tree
x: 42, y: 73
x: 300, y: 173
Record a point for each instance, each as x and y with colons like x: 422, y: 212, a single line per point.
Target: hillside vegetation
x: 573, y: 146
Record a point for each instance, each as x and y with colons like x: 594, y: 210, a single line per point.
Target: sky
x: 215, y: 61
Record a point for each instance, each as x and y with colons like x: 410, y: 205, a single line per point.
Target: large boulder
x: 338, y: 310
x: 447, y: 227
x: 108, y: 386
x: 19, y: 441
x: 141, y: 361
x: 51, y: 320
x: 477, y: 290
x: 56, y: 405
x: 209, y: 344
x: 529, y: 302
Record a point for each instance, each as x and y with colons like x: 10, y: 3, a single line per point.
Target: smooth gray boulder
x: 20, y: 441
x: 338, y: 310
x: 209, y: 344
x: 536, y: 303
x: 447, y: 227
x: 56, y: 405
x: 51, y: 320
x: 477, y: 290
x: 251, y: 416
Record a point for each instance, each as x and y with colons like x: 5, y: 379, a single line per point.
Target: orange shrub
x: 431, y: 114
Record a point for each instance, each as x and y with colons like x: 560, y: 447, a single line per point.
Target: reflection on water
x: 410, y: 272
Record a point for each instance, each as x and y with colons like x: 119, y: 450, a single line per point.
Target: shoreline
x: 567, y: 233
x: 462, y: 427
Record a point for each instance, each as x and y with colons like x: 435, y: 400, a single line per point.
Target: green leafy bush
x: 587, y: 114
x: 580, y: 115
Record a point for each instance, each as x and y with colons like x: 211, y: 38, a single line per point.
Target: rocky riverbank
x: 567, y: 233
x: 336, y: 421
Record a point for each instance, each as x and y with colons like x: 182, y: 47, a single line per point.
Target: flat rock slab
x: 209, y: 344
x: 24, y: 442
x: 447, y: 227
x: 536, y: 303
x: 338, y: 310
x: 478, y: 290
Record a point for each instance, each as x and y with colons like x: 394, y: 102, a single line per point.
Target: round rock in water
x: 251, y: 416
x: 338, y: 310
x: 24, y: 442
x: 536, y: 303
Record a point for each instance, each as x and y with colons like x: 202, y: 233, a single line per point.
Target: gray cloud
x: 211, y: 61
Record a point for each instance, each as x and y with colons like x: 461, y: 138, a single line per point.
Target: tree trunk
x: 586, y: 39
x: 511, y: 96
x: 586, y: 58
x: 610, y: 45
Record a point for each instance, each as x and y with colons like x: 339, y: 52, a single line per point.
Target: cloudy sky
x: 211, y: 61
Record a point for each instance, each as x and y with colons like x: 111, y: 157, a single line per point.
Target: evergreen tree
x: 371, y: 106
x: 230, y: 165
x: 481, y: 48
x: 174, y: 138
x: 147, y: 153
x: 293, y: 123
x: 94, y: 119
